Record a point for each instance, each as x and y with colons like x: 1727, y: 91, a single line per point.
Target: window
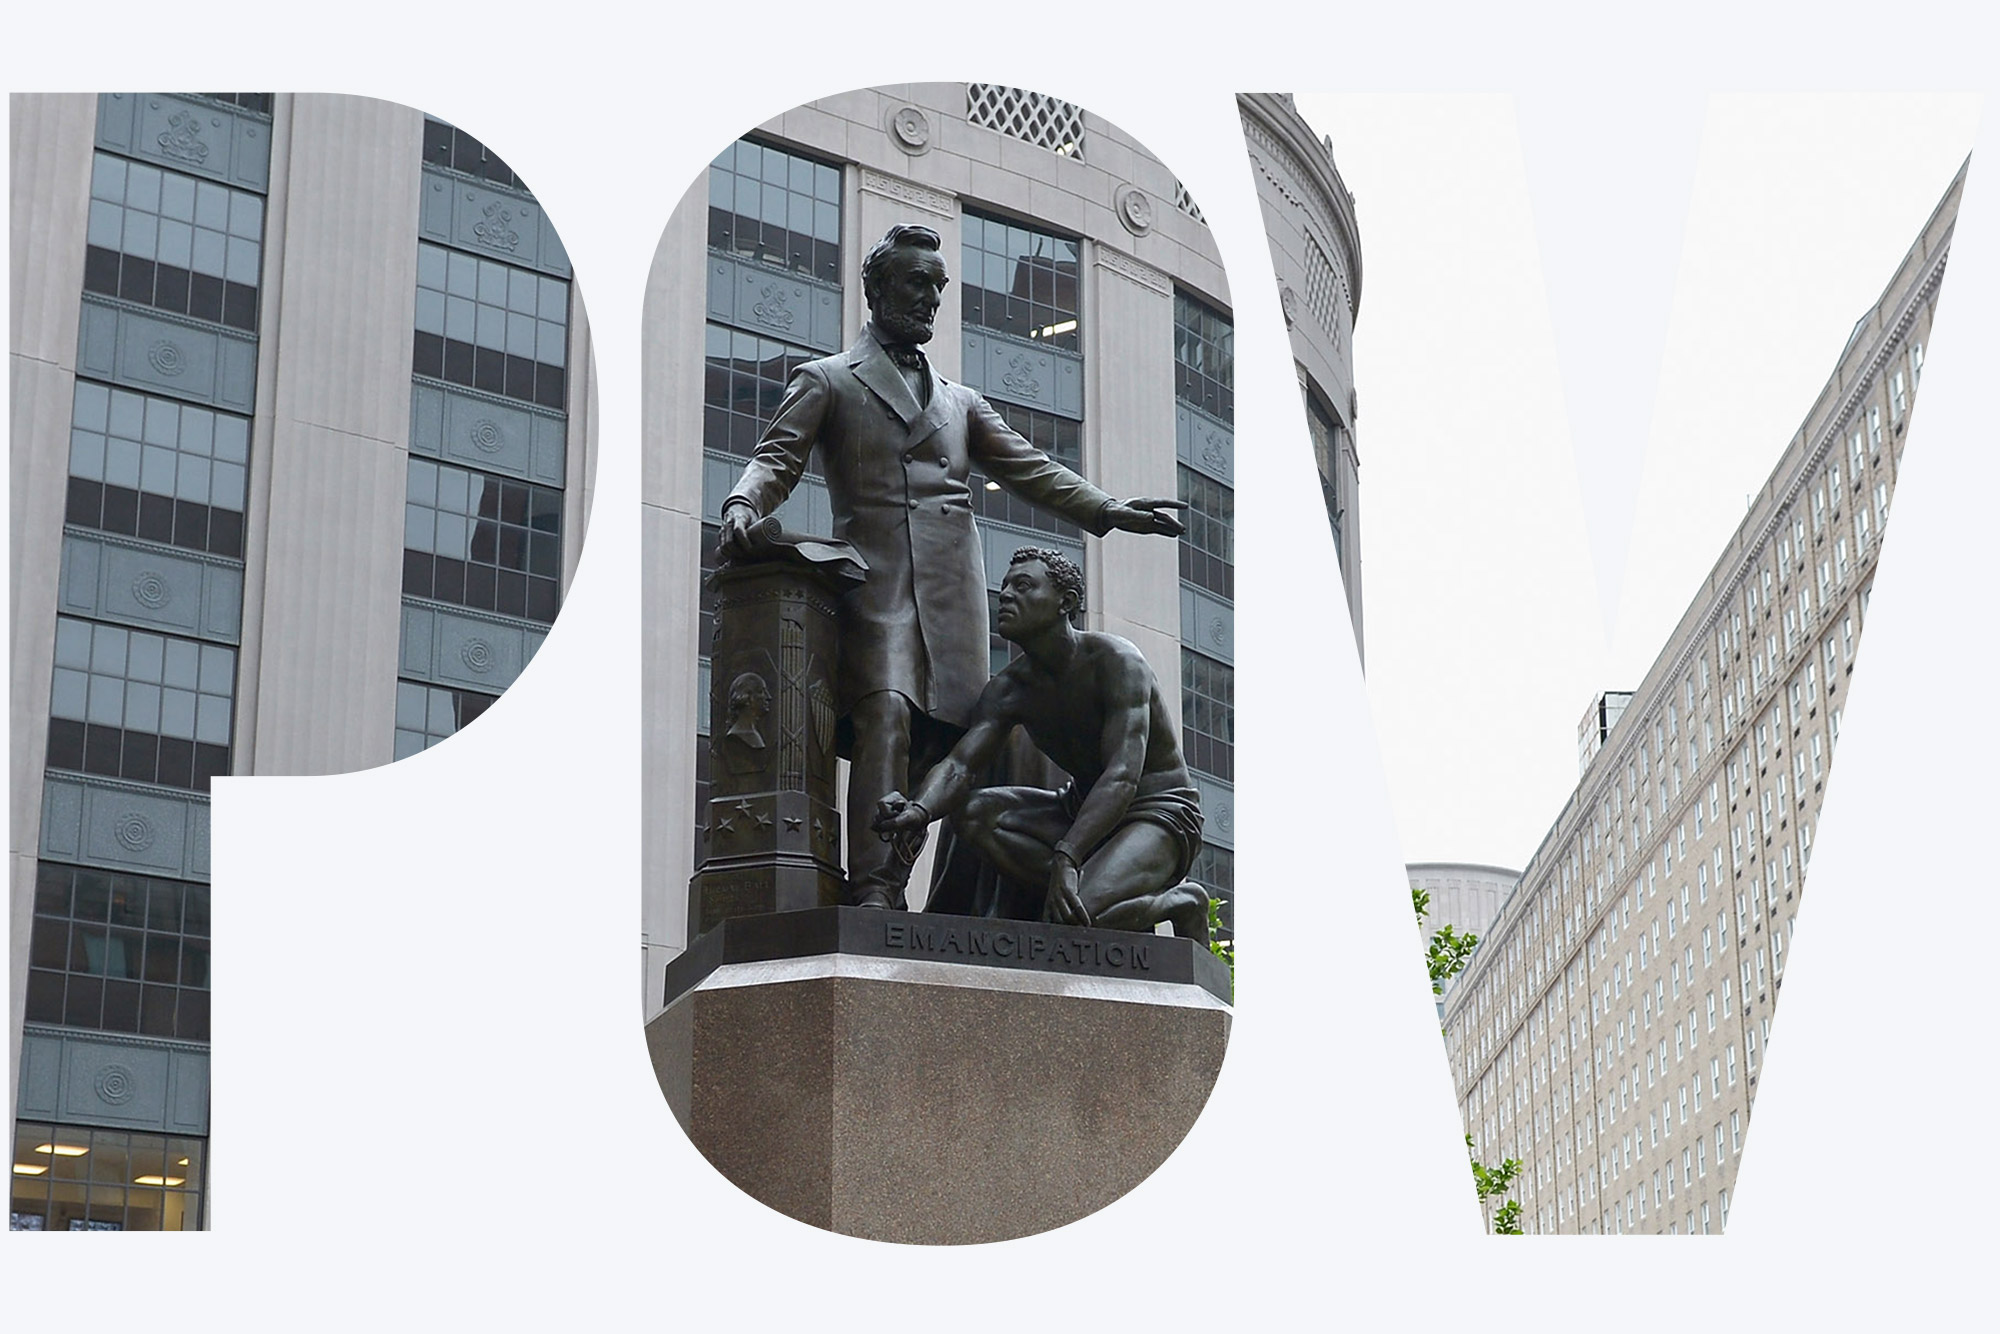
x: 123, y: 953
x: 174, y: 243
x: 452, y: 148
x: 1326, y: 437
x: 1021, y: 282
x: 146, y: 707
x: 1208, y: 713
x: 152, y: 468
x: 1874, y: 432
x: 772, y: 207
x: 1899, y: 397
x: 1208, y: 548
x: 80, y: 1179
x: 491, y: 327
x: 744, y: 381
x: 480, y: 541
x: 426, y: 714
x: 1204, y: 357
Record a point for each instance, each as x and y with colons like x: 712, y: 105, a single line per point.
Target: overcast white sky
x: 1548, y: 472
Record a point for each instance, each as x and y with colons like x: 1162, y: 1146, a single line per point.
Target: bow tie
x: 906, y: 355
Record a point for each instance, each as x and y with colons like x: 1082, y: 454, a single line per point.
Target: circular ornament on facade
x: 1218, y: 633
x: 150, y: 590
x: 477, y: 655
x: 167, y: 358
x: 910, y: 128
x: 1134, y: 209
x: 134, y: 832
x: 1289, y: 300
x: 487, y: 437
x: 114, y: 1084
x: 1225, y: 819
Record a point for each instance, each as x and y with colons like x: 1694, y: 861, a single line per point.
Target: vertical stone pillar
x: 773, y: 830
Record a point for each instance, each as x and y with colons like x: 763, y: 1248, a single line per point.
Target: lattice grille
x: 1185, y: 203
x: 1322, y: 286
x: 1046, y: 122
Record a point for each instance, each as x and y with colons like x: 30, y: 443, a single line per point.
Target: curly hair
x: 1062, y: 572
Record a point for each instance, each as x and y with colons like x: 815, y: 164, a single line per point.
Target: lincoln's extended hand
x: 1146, y: 515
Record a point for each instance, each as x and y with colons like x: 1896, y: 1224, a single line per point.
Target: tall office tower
x: 1088, y: 304
x: 1316, y: 248
x: 1610, y: 1029
x: 299, y: 459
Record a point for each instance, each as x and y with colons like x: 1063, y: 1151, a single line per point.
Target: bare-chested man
x: 1115, y: 845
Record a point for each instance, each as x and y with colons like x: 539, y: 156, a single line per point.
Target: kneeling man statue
x: 1114, y: 845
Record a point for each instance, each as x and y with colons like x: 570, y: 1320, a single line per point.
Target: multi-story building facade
x: 1316, y: 248
x: 1088, y: 304
x: 1610, y: 1029
x: 300, y: 453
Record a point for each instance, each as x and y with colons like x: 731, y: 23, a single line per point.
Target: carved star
x: 723, y: 825
x: 793, y: 823
x: 744, y: 808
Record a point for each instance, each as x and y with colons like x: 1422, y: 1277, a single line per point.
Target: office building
x: 1610, y: 1030
x: 300, y: 453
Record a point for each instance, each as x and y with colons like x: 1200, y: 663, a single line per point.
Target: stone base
x: 861, y: 1077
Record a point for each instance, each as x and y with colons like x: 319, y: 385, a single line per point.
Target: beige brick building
x: 1610, y: 1031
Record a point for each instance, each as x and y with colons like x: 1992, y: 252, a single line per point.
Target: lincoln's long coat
x: 896, y: 476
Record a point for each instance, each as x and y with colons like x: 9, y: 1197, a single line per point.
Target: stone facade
x: 1316, y: 249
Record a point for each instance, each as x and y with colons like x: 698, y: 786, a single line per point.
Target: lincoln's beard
x: 902, y: 326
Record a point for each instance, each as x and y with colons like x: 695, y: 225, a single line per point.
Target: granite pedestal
x: 916, y: 1077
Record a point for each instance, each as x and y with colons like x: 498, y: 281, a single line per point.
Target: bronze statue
x: 896, y: 444
x: 1114, y: 845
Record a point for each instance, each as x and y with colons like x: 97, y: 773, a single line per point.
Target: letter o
x: 1115, y: 955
